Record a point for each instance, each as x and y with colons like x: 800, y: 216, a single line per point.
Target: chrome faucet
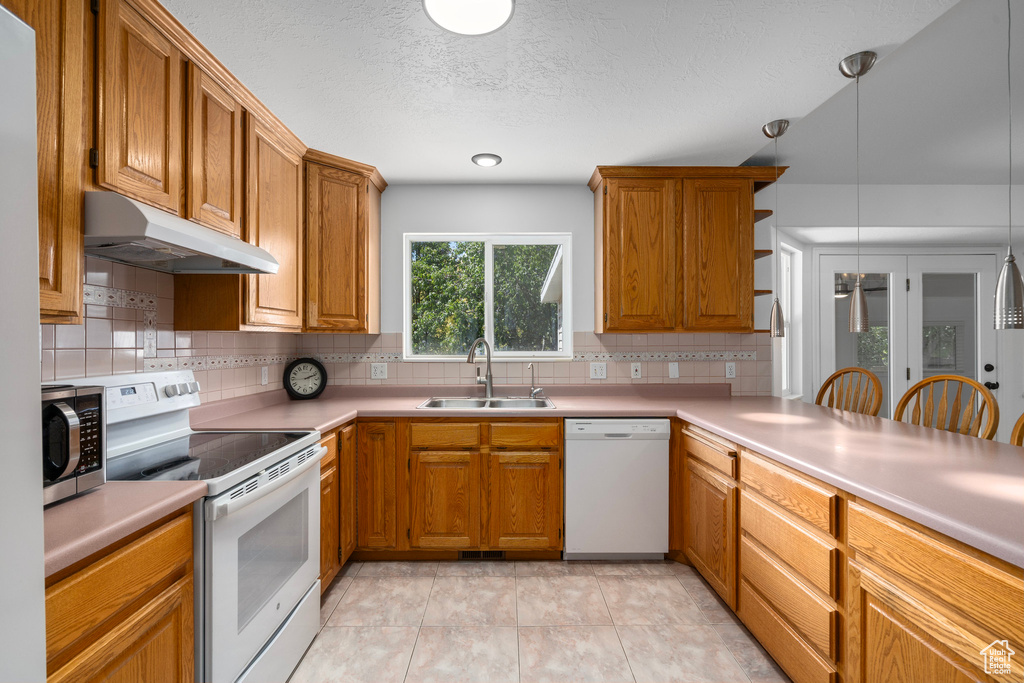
x: 488, y: 379
x: 534, y: 389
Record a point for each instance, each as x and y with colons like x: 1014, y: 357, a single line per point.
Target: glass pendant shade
x: 858, y: 309
x: 1010, y: 295
x: 777, y: 326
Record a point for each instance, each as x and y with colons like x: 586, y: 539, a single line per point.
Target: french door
x: 928, y: 315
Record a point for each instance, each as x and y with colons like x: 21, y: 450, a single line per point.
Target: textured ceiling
x: 567, y: 85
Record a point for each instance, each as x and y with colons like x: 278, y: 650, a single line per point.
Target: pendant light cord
x: 1009, y: 107
x: 778, y: 255
x: 857, y: 88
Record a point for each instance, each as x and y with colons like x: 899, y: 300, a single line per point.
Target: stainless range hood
x: 121, y: 229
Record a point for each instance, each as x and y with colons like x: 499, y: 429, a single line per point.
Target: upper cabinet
x: 674, y: 247
x: 60, y: 28
x: 140, y: 74
x: 342, y: 245
x: 214, y: 155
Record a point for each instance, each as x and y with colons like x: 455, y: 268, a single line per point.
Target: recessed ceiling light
x: 486, y: 159
x: 469, y: 17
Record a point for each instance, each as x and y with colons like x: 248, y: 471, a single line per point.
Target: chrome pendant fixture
x: 855, y: 66
x: 1009, y: 300
x: 777, y: 324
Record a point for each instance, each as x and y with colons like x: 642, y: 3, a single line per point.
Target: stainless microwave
x: 74, y: 443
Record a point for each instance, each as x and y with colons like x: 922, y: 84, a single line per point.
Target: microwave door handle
x: 222, y: 506
x: 71, y: 421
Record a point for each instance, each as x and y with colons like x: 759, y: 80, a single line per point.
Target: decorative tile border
x: 604, y: 356
x: 120, y: 298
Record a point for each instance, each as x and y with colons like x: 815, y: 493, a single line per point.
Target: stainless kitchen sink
x: 507, y: 403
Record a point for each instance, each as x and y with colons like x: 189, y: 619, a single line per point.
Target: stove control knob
x: 183, y: 389
x: 193, y: 387
x: 171, y: 390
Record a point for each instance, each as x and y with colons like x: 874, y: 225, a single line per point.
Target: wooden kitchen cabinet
x: 711, y: 527
x: 215, y: 173
x: 129, y: 614
x: 674, y: 247
x: 140, y: 74
x: 525, y: 502
x: 60, y: 61
x: 377, y: 470
x: 330, y: 512
x: 342, y: 285
x: 444, y: 490
x: 347, y: 489
x: 677, y: 498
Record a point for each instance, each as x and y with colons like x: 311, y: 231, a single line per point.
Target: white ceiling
x: 567, y: 85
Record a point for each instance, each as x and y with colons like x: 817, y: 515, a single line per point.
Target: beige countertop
x: 964, y: 487
x: 76, y: 528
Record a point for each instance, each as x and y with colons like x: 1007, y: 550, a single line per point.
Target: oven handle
x: 223, y: 506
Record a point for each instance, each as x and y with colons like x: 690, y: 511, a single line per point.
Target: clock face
x: 305, y: 379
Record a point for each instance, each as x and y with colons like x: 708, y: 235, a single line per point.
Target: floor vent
x: 481, y: 554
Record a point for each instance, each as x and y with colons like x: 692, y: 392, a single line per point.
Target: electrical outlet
x: 634, y: 371
x: 673, y: 370
x: 264, y: 375
x: 378, y: 370
x: 730, y: 370
x: 598, y: 371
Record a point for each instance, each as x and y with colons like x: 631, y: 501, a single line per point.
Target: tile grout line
x: 412, y: 653
x: 728, y: 649
x: 615, y: 627
x: 519, y: 650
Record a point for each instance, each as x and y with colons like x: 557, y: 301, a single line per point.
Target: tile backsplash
x: 129, y: 315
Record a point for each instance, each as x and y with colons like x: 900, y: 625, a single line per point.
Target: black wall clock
x: 305, y: 378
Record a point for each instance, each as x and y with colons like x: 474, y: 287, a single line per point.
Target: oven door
x: 261, y: 555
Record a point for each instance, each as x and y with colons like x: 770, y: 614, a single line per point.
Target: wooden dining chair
x: 942, y: 403
x: 854, y: 389
x: 1017, y: 435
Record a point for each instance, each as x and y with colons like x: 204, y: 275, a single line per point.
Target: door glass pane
x: 949, y: 334
x: 447, y: 297
x: 269, y: 554
x: 527, y: 297
x: 869, y: 350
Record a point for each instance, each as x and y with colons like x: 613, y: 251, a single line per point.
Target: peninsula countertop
x: 965, y: 487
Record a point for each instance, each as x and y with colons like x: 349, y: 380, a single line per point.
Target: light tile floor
x: 420, y: 622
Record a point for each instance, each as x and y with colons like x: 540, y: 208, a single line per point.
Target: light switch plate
x: 378, y: 370
x: 730, y: 370
x: 598, y: 371
x: 264, y: 375
x: 634, y: 371
x: 673, y: 370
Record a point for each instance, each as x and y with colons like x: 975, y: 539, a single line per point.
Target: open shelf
x: 761, y: 214
x: 762, y: 331
x: 762, y: 292
x: 761, y: 253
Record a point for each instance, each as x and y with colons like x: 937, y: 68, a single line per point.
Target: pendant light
x: 774, y: 130
x: 1009, y: 313
x: 854, y: 67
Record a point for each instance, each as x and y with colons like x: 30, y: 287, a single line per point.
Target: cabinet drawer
x: 957, y: 583
x: 444, y: 435
x: 526, y: 435
x: 808, y: 501
x: 330, y: 459
x: 719, y: 456
x: 81, y: 603
x: 814, y: 618
x: 794, y: 655
x: 812, y: 556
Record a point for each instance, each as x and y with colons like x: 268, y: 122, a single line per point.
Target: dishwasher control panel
x: 611, y: 428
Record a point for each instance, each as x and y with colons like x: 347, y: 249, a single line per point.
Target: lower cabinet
x: 444, y: 492
x: 129, y: 615
x: 377, y: 472
x: 525, y: 501
x: 330, y: 517
x: 347, y: 489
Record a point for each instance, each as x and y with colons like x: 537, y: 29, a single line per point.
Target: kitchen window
x: 511, y: 289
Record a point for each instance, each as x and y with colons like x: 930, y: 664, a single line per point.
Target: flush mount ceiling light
x: 486, y: 160
x: 854, y: 67
x: 777, y: 322
x: 470, y: 17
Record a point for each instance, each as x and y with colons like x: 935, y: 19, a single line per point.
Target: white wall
x: 487, y: 208
x: 22, y: 611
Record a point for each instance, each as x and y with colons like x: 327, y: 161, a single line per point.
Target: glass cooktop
x: 199, y: 456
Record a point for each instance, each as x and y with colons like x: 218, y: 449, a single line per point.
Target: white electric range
x: 257, y: 532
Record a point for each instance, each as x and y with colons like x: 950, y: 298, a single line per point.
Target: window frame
x: 561, y: 239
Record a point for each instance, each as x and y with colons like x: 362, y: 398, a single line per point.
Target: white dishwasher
x: 616, y: 489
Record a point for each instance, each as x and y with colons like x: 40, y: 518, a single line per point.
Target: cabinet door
x: 718, y: 253
x: 445, y: 490
x: 155, y: 644
x: 347, y: 489
x: 140, y: 127
x: 378, y: 492
x: 639, y: 239
x: 214, y: 155
x: 676, y: 492
x: 711, y: 528
x: 329, y: 513
x: 525, y: 501
x: 274, y: 223
x: 336, y: 250
x: 60, y: 57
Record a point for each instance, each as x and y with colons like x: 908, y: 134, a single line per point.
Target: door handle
x: 991, y: 385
